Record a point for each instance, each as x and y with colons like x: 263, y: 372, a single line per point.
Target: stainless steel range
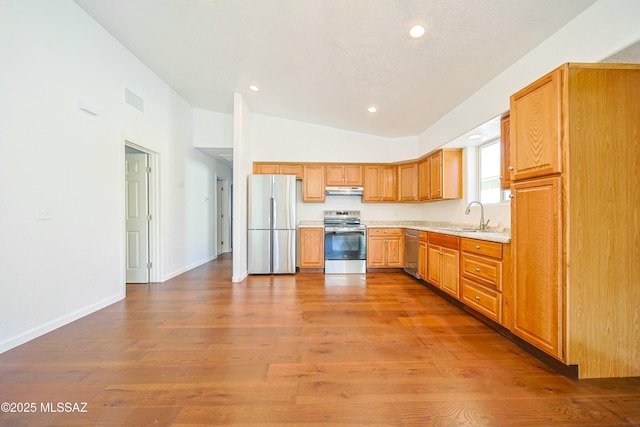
x: 345, y: 243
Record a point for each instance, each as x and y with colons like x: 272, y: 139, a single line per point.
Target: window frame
x: 503, y: 194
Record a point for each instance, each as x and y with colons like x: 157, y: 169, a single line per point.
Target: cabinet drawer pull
x: 477, y: 246
x: 477, y: 298
x: 440, y: 253
x: 477, y: 269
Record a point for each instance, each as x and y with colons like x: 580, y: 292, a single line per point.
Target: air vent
x: 134, y: 100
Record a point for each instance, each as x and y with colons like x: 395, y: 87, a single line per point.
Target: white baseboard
x: 38, y: 331
x: 240, y: 278
x: 187, y: 268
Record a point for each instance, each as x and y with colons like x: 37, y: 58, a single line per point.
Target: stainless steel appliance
x: 345, y: 243
x: 344, y: 191
x: 411, y: 249
x: 272, y: 224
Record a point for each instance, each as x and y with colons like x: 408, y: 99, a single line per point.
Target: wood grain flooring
x: 304, y: 350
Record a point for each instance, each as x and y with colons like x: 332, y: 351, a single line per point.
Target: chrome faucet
x: 483, y: 225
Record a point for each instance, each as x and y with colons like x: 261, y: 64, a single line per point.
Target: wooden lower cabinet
x: 311, y: 248
x: 422, y: 255
x: 485, y: 274
x: 443, y: 261
x: 537, y: 263
x: 385, y: 248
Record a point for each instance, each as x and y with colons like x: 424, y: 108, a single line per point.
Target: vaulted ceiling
x: 326, y: 61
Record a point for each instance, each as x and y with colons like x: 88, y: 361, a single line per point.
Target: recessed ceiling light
x: 417, y: 31
x: 475, y: 136
x: 254, y: 88
x: 372, y: 109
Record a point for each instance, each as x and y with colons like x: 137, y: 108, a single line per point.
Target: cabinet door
x: 353, y: 174
x: 536, y: 128
x: 424, y: 179
x: 435, y: 175
x: 312, y: 247
x: 266, y: 169
x: 395, y: 252
x: 389, y: 183
x: 536, y: 227
x: 375, y: 251
x: 408, y: 178
x: 434, y: 265
x: 335, y: 175
x: 372, y: 179
x: 505, y: 158
x: 313, y: 183
x: 291, y: 169
x: 422, y: 261
x: 449, y: 278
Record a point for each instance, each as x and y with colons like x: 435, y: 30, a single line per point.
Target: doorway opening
x: 140, y: 229
x: 223, y: 216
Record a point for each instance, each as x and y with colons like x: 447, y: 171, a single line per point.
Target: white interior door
x: 219, y: 217
x: 137, y: 218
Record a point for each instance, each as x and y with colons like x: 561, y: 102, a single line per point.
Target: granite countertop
x: 491, y: 235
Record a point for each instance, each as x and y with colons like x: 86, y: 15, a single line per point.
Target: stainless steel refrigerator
x: 272, y: 224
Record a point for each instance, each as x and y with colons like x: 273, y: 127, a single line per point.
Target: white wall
x: 242, y: 166
x: 276, y: 139
x: 607, y: 27
x: 56, y: 157
x: 211, y: 129
x: 602, y: 30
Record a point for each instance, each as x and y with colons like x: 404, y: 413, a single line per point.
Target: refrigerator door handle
x: 272, y: 215
x: 272, y: 227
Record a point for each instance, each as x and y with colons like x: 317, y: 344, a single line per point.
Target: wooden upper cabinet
x: 313, y: 187
x: 347, y: 174
x: 536, y: 128
x: 380, y: 183
x: 278, y: 169
x: 408, y: 182
x: 424, y: 179
x: 440, y: 175
x: 505, y: 147
x: 435, y: 174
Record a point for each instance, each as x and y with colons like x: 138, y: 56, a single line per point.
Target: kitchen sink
x: 457, y: 229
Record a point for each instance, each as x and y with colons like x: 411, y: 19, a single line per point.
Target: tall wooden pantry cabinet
x: 575, y: 182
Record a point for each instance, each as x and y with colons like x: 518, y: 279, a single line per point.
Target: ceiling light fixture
x: 475, y: 136
x: 417, y: 31
x: 254, y: 88
x: 372, y: 109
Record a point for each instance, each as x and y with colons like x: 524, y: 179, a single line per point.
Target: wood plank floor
x: 295, y: 350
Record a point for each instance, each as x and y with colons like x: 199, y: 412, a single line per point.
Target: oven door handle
x: 361, y: 232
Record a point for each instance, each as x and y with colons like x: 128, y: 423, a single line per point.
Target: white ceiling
x: 326, y: 61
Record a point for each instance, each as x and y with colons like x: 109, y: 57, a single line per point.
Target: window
x: 489, y: 172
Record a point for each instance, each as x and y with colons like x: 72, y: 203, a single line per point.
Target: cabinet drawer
x: 482, y: 247
x: 384, y: 231
x: 423, y: 236
x: 483, y: 300
x: 484, y: 270
x: 444, y: 240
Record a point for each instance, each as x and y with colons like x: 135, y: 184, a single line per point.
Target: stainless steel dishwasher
x: 411, y: 248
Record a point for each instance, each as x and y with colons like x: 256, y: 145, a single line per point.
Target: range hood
x: 344, y: 191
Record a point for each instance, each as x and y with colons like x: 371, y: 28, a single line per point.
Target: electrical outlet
x: 43, y: 213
